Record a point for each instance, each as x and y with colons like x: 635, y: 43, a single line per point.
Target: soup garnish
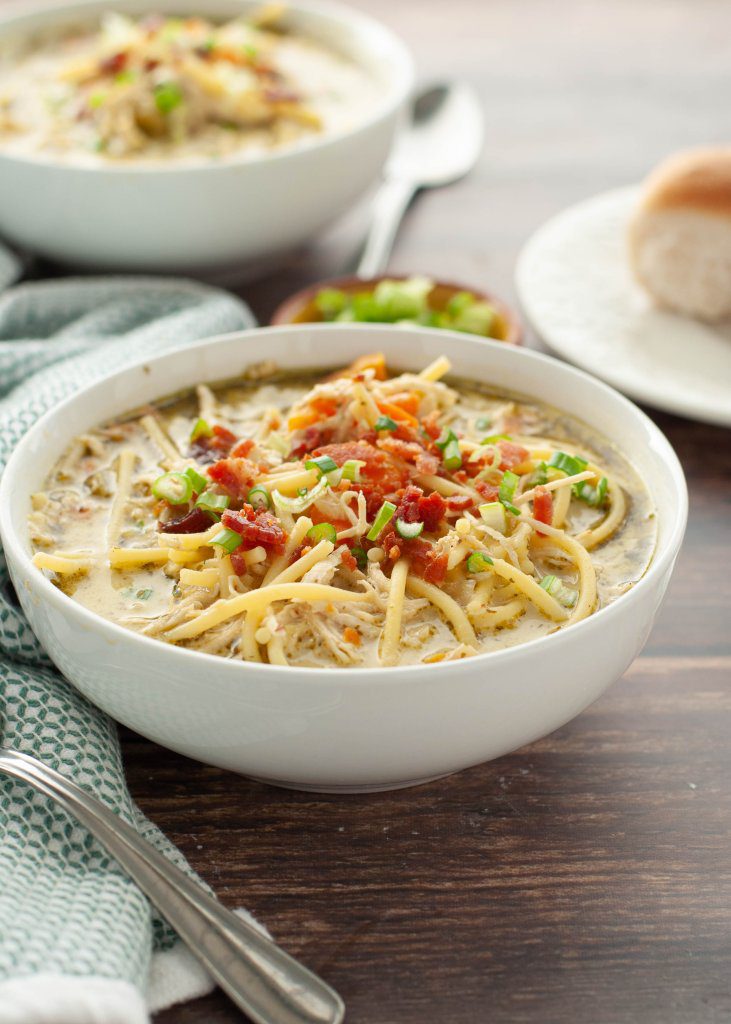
x: 360, y: 520
x: 160, y: 88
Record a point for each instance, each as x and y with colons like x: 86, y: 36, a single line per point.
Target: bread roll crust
x: 696, y: 179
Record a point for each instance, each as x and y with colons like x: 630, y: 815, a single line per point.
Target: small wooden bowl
x: 300, y: 308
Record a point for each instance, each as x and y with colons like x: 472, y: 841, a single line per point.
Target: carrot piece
x: 351, y: 636
x: 396, y: 412
x: 409, y: 401
x: 302, y: 419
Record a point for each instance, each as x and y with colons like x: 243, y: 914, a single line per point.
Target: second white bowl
x: 177, y: 216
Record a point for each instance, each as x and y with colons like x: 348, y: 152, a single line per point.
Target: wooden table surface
x: 588, y: 876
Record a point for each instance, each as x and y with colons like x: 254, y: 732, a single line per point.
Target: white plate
x: 576, y: 288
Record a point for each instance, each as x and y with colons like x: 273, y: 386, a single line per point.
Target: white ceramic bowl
x: 170, y: 216
x: 342, y: 729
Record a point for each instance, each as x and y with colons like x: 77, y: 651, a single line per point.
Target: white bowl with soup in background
x: 183, y: 206
x: 349, y: 729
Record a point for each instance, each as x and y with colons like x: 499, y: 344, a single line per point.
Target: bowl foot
x: 378, y: 787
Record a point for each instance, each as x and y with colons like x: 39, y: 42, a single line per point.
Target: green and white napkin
x: 79, y: 943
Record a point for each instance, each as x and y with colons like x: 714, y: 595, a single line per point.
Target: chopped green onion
x: 330, y: 302
x: 483, y: 423
x: 302, y: 501
x: 259, y: 497
x: 200, y: 429
x: 459, y: 302
x: 566, y: 596
x: 168, y: 96
x: 452, y: 457
x: 445, y: 438
x: 227, y: 539
x: 408, y: 530
x: 212, y: 502
x: 360, y: 556
x: 384, y: 517
x: 323, y: 531
x: 475, y: 318
x: 508, y: 486
x: 199, y: 482
x: 143, y: 595
x: 97, y: 100
x: 593, y: 496
x: 128, y: 75
x: 539, y: 475
x: 302, y: 491
x: 351, y: 470
x: 385, y: 423
x: 323, y: 462
x: 568, y: 464
x: 495, y: 437
x: 478, y: 561
x: 493, y: 515
x: 175, y: 488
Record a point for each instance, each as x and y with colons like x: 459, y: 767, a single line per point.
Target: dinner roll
x: 680, y: 236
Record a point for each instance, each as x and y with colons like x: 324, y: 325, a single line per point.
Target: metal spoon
x: 441, y: 145
x: 261, y: 979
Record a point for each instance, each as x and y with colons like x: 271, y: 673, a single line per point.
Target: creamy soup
x: 185, y: 88
x: 360, y: 520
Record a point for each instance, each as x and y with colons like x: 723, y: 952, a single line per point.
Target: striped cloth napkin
x: 79, y: 943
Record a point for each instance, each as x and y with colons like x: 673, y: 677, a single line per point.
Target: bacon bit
x: 242, y: 449
x: 223, y: 438
x: 430, y: 424
x: 459, y: 502
x: 424, y: 560
x: 414, y: 507
x: 347, y: 559
x: 238, y: 562
x: 195, y: 521
x: 488, y: 491
x: 234, y: 475
x: 543, y: 506
x: 512, y: 454
x: 381, y: 476
x: 410, y: 451
x: 114, y: 64
x: 310, y: 439
x: 255, y: 528
x: 351, y: 636
x: 208, y: 449
x: 373, y: 361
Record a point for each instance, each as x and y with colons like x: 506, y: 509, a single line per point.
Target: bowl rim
x: 660, y: 564
x: 400, y: 85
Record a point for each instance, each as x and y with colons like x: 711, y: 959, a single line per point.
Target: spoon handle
x: 261, y: 979
x: 389, y: 206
